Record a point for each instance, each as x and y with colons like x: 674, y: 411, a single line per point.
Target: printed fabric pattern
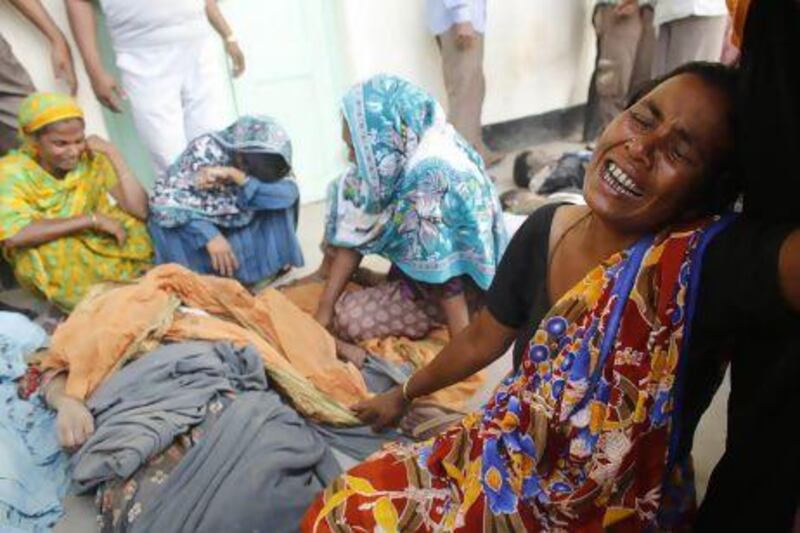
x: 419, y: 194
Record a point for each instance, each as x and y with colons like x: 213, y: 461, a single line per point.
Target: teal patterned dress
x: 419, y: 195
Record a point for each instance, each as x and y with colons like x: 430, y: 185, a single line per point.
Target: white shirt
x: 146, y: 23
x: 669, y: 10
x: 443, y: 14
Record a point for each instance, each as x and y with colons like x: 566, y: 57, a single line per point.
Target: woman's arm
x: 60, y: 54
x: 217, y: 20
x: 256, y: 195
x: 789, y: 269
x: 481, y: 343
x: 81, y: 19
x: 74, y: 422
x: 128, y: 191
x: 44, y: 231
x: 345, y: 262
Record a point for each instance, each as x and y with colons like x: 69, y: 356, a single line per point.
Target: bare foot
x: 351, y: 352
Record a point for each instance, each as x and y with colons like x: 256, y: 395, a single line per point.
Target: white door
x: 293, y: 57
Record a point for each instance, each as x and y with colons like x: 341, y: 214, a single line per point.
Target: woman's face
x: 348, y: 140
x: 61, y: 144
x: 651, y: 161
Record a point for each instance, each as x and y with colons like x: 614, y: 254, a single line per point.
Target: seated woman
x: 416, y: 194
x: 593, y: 429
x: 228, y: 205
x: 71, y: 210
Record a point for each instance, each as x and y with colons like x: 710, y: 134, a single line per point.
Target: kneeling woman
x: 228, y: 205
x: 71, y: 211
x: 417, y: 194
x: 593, y: 429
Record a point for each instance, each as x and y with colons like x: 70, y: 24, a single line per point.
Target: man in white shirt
x: 688, y: 30
x: 170, y: 73
x: 625, y: 43
x: 459, y: 26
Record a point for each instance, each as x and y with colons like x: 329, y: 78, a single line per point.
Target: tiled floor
x: 709, y: 441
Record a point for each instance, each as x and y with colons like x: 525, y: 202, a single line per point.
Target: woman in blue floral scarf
x: 228, y: 205
x: 417, y: 194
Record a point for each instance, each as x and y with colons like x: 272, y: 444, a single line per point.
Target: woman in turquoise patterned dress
x: 416, y: 194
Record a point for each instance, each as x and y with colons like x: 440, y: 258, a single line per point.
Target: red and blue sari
x: 582, y: 438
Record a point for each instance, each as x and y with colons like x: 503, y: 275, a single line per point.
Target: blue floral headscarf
x: 176, y: 200
x: 418, y: 193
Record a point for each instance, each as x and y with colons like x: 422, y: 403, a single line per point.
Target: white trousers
x: 176, y: 93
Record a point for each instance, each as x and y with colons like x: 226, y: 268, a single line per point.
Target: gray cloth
x: 258, y: 469
x: 143, y: 407
x: 360, y: 442
x: 15, y: 85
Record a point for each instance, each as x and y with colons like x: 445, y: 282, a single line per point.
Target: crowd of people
x: 622, y: 314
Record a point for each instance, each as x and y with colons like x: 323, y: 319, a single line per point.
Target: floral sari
x: 582, y: 438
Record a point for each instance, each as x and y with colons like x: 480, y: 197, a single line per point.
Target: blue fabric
x: 419, y: 194
x: 258, y: 219
x: 176, y: 200
x: 262, y: 248
x: 33, y: 468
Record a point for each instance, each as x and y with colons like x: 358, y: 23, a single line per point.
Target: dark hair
x: 723, y: 187
x: 265, y: 167
x: 769, y: 136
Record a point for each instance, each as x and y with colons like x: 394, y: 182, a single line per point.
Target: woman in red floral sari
x: 590, y: 431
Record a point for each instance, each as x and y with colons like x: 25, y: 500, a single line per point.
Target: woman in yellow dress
x: 71, y: 211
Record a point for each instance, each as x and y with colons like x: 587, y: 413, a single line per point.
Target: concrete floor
x: 709, y: 440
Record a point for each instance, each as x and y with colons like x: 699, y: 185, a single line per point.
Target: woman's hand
x: 214, y: 177
x: 108, y: 91
x: 63, y: 66
x: 74, y: 423
x: 382, y: 410
x: 237, y: 57
x: 110, y: 226
x: 97, y: 144
x: 223, y: 260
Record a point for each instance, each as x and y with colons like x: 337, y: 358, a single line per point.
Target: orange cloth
x: 738, y: 10
x: 306, y: 296
x: 421, y: 352
x: 107, y: 329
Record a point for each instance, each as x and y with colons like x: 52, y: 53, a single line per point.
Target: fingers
x: 111, y: 102
x: 215, y: 263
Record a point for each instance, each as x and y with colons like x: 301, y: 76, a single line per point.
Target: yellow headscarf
x: 738, y: 10
x: 40, y: 109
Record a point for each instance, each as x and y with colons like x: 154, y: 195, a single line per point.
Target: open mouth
x: 618, y: 180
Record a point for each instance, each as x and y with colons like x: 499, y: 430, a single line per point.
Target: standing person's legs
x: 466, y: 86
x: 645, y: 52
x: 617, y: 41
x: 15, y: 85
x: 152, y: 79
x: 690, y: 39
x: 204, y: 91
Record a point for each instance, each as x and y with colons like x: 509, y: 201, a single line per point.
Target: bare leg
x: 345, y: 262
x: 456, y: 313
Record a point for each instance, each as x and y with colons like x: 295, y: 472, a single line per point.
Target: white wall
x: 33, y: 51
x: 539, y: 53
